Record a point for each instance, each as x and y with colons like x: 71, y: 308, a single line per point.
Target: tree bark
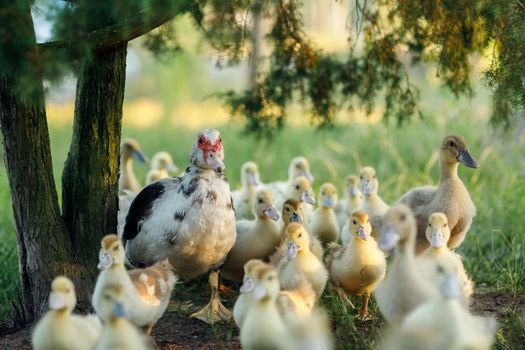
x: 90, y: 178
x: 44, y: 248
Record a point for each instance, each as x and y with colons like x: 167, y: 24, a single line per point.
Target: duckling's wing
x: 419, y: 196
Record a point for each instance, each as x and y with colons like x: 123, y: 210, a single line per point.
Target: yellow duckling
x: 301, y: 190
x: 300, y: 260
x: 451, y: 197
x: 256, y: 239
x: 353, y: 200
x: 293, y: 213
x: 129, y: 150
x: 404, y: 287
x: 438, y: 234
x: 443, y: 322
x: 161, y: 165
x: 243, y: 300
x: 118, y: 332
x: 324, y: 222
x: 146, y: 292
x: 243, y: 199
x: 59, y: 328
x: 263, y: 326
x: 359, y: 266
x: 374, y: 206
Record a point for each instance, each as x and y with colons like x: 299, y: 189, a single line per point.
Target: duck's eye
x: 361, y: 177
x: 260, y: 200
x: 297, y: 187
x: 200, y: 141
x: 220, y: 139
x: 287, y: 209
x: 403, y: 217
x: 440, y: 269
x: 115, y: 248
x: 374, y: 176
x: 355, y: 222
x: 322, y: 193
x: 107, y: 297
x: 429, y: 224
x: 298, y: 166
x: 270, y: 278
x: 68, y: 290
x: 445, y: 225
x: 300, y: 235
x: 451, y: 144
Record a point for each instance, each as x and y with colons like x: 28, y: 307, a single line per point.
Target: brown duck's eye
x: 200, y: 140
x: 220, y: 139
x: 287, y: 209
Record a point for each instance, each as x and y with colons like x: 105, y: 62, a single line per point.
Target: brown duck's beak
x: 465, y: 158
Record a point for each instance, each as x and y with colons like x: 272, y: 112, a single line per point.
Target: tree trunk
x: 44, y: 248
x: 90, y: 179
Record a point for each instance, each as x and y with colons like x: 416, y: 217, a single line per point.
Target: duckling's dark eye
x: 115, y: 248
x: 220, y: 139
x: 200, y: 141
x: 322, y: 193
x: 270, y: 278
x: 260, y: 200
x: 374, y: 176
x: 300, y: 235
x: 287, y: 209
x: 355, y: 222
x: 451, y: 144
x: 429, y: 224
x: 297, y: 187
x: 402, y: 217
x: 68, y: 290
x: 440, y: 269
x: 107, y: 297
x: 361, y: 177
x: 444, y: 225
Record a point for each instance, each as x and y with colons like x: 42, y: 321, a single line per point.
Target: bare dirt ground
x: 177, y: 331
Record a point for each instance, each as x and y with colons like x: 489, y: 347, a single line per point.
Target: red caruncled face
x: 206, y: 146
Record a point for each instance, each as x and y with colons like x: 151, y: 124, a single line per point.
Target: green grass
x: 403, y: 157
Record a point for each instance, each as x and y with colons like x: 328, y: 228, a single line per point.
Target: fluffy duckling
x: 263, y: 326
x: 451, y: 197
x: 299, y: 166
x: 243, y: 199
x: 118, y: 332
x: 59, y: 328
x: 299, y: 189
x: 256, y: 239
x: 404, y: 287
x: 129, y: 150
x: 161, y: 165
x: 243, y: 300
x: 359, y: 266
x: 374, y: 206
x: 300, y: 260
x: 438, y: 234
x: 353, y: 200
x: 324, y: 222
x: 293, y: 213
x: 446, y: 322
x: 146, y: 292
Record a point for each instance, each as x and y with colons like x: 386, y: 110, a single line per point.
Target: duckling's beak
x: 368, y: 187
x: 172, y: 168
x: 247, y: 285
x: 388, y: 240
x: 465, y: 158
x: 258, y: 292
x: 328, y: 202
x: 307, y: 198
x: 295, y: 218
x: 270, y: 212
x: 105, y: 260
x: 450, y: 287
x: 291, y: 253
x: 252, y: 179
x: 139, y: 156
x: 436, y: 238
x: 309, y: 176
x: 57, y: 301
x: 118, y: 310
x: 361, y: 233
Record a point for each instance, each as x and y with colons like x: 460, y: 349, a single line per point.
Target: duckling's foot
x: 214, y: 311
x: 227, y: 291
x: 344, y: 297
x: 363, y: 310
x: 147, y: 328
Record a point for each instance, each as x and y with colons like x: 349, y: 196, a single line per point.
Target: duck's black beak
x: 465, y: 158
